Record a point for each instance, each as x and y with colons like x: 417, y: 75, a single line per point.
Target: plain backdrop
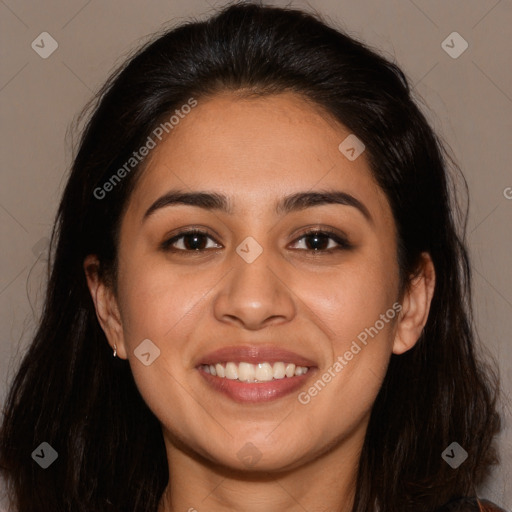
x: 468, y: 100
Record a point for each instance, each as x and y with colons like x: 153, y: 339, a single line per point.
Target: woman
x: 259, y: 224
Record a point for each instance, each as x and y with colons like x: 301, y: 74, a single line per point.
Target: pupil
x: 195, y: 237
x: 318, y: 238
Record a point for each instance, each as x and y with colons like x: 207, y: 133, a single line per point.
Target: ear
x: 105, y: 303
x: 415, y: 306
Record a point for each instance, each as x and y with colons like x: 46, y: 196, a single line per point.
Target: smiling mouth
x: 254, y: 373
x: 251, y: 374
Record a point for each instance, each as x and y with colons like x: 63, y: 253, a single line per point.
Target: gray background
x: 467, y: 99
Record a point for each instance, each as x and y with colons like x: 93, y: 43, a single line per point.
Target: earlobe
x: 105, y: 303
x: 416, y: 307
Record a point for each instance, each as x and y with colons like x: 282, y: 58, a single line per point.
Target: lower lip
x: 249, y: 392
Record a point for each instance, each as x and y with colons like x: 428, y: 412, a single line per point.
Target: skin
x: 256, y: 151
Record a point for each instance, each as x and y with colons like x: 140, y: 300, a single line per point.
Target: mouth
x: 255, y: 374
x: 248, y: 372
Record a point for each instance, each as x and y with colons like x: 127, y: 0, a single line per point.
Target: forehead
x: 255, y: 150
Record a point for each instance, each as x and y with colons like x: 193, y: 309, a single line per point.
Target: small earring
x: 115, y: 350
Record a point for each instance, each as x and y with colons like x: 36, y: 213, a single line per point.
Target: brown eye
x: 323, y: 241
x: 191, y: 241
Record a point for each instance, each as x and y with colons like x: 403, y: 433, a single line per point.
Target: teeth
x: 264, y: 372
x: 279, y: 370
x: 246, y: 372
x: 290, y: 370
x: 261, y: 372
x: 231, y: 371
x: 220, y: 370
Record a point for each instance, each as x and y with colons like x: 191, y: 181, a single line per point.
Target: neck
x: 328, y: 483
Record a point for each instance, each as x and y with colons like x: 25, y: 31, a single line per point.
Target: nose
x: 255, y: 295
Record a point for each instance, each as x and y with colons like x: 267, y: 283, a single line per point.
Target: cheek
x: 352, y: 297
x: 161, y: 306
x: 344, y: 391
x: 155, y: 303
x: 357, y: 309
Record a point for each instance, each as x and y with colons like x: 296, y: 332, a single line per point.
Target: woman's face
x: 253, y: 290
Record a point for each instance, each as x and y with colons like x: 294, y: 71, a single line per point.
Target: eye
x: 190, y: 241
x: 320, y: 240
x: 194, y: 241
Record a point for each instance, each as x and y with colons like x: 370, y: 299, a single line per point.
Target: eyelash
x: 343, y: 244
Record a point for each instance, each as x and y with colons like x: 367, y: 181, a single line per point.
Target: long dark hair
x: 71, y: 393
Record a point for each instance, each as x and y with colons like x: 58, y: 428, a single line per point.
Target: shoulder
x: 472, y: 504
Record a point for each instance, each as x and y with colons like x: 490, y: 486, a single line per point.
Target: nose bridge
x: 253, y: 292
x: 252, y: 272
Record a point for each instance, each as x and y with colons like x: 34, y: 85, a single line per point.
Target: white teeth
x: 231, y: 371
x: 264, y: 372
x: 261, y: 372
x: 279, y: 370
x: 220, y: 370
x: 246, y: 372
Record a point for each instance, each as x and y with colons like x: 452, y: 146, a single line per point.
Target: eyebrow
x: 294, y: 202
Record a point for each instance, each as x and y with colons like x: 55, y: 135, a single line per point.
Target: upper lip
x: 255, y: 354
